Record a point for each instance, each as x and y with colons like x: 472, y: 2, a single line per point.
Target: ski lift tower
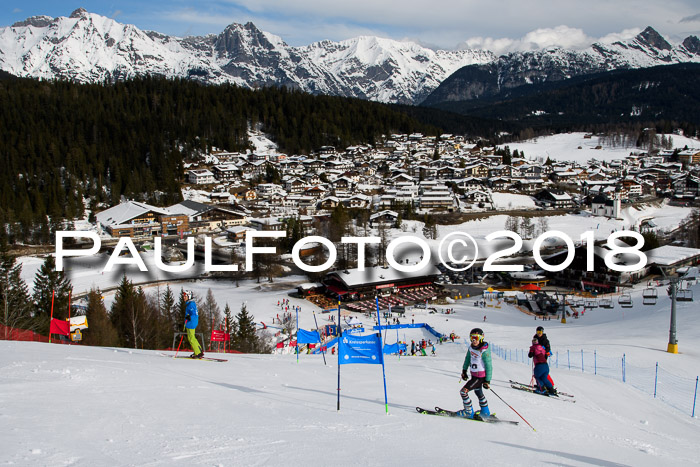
x: 562, y: 307
x: 672, y: 341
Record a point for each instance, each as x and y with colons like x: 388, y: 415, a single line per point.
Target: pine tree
x: 512, y: 224
x: 429, y: 228
x: 246, y: 338
x: 167, y: 306
x: 180, y: 311
x: 209, y: 314
x: 100, y: 329
x: 542, y: 224
x: 228, y: 321
x: 15, y: 304
x: 527, y: 228
x: 48, y: 282
x: 129, y: 314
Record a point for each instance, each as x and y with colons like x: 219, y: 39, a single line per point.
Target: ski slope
x: 76, y: 405
x: 574, y: 147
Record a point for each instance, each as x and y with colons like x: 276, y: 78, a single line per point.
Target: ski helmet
x: 539, y: 328
x: 188, y: 294
x: 477, y: 332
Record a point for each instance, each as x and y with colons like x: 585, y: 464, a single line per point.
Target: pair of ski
x: 208, y: 359
x: 562, y: 396
x: 477, y: 418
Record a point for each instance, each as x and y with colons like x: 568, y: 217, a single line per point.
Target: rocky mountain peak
x: 692, y: 44
x: 652, y: 38
x: 79, y: 13
x: 36, y: 21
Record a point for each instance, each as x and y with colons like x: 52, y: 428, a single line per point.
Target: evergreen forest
x: 66, y: 145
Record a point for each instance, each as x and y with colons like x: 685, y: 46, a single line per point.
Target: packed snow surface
x: 80, y: 405
x: 575, y: 147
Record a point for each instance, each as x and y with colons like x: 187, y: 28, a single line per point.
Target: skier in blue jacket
x: 191, y: 321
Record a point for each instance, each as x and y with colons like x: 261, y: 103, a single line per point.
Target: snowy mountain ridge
x: 509, y: 71
x: 87, y: 47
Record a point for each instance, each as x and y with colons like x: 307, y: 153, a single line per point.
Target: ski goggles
x: 476, y: 336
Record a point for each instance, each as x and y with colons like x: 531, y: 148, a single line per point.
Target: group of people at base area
x: 477, y: 370
x: 422, y: 346
x: 191, y: 322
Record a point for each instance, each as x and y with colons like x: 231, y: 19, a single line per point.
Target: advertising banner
x: 360, y: 349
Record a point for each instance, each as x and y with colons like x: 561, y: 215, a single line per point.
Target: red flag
x: 59, y: 327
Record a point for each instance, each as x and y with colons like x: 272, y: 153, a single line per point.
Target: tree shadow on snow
x: 237, y: 388
x: 574, y: 457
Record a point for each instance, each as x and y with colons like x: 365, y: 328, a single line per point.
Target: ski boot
x: 551, y: 391
x: 484, y: 412
x: 466, y: 413
x: 199, y: 355
x: 193, y: 356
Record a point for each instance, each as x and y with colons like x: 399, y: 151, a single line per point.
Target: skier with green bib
x: 478, y: 362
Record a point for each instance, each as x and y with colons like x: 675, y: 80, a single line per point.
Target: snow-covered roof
x: 238, y: 229
x: 383, y: 213
x: 125, y: 212
x: 310, y: 285
x: 669, y: 255
x: 374, y: 275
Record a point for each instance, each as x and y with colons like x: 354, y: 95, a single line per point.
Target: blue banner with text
x: 360, y: 349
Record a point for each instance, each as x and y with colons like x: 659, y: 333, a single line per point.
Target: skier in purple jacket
x: 541, y: 371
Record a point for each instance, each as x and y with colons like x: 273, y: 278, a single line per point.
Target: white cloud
x: 499, y: 25
x: 560, y: 36
x: 620, y: 36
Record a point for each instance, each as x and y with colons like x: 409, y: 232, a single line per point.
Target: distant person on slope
x: 191, y: 321
x: 478, y: 362
x: 541, y: 371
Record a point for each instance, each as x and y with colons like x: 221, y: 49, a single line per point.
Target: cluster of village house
x: 405, y: 170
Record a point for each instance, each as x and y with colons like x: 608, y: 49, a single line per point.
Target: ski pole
x: 511, y: 408
x: 178, y: 345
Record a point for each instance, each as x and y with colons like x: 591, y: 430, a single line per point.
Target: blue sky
x: 498, y: 25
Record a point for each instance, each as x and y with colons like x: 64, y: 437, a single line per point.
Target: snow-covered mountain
x: 87, y: 47
x: 647, y: 49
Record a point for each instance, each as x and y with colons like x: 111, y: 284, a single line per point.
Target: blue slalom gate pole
x: 297, y: 336
x: 320, y: 342
x: 695, y: 398
x: 656, y: 378
x: 623, y: 368
x: 340, y: 334
x: 381, y: 346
